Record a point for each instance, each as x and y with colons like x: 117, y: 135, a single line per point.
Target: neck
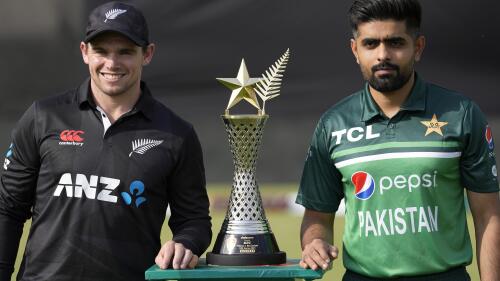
x: 115, y: 106
x: 390, y: 102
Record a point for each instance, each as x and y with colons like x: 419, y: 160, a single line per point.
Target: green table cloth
x: 288, y: 272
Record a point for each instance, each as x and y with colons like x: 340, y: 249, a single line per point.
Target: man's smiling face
x: 115, y: 63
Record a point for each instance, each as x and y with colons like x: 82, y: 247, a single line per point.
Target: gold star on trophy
x: 242, y: 87
x: 434, y: 125
x: 267, y: 87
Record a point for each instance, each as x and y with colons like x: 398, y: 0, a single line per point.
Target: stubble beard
x: 114, y: 91
x: 388, y: 83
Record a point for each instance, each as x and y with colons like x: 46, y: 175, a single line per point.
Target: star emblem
x: 434, y: 126
x: 241, y: 87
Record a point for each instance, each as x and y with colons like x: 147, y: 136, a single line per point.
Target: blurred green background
x: 284, y: 224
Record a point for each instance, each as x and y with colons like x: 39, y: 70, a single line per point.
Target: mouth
x: 385, y: 71
x: 111, y: 77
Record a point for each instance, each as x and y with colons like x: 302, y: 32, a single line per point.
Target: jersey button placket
x: 390, y: 132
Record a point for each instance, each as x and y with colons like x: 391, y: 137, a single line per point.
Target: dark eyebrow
x: 128, y: 50
x: 97, y: 48
x: 389, y: 40
x: 367, y: 41
x: 394, y: 40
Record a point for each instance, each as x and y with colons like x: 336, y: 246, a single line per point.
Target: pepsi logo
x: 489, y: 137
x: 364, y: 185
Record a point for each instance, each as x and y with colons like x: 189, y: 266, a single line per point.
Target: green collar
x: 414, y: 102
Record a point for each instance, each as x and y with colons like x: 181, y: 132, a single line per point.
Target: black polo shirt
x: 98, y: 197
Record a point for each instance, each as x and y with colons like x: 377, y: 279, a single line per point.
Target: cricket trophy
x: 245, y: 237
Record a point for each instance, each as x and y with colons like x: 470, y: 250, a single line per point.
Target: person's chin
x: 113, y: 90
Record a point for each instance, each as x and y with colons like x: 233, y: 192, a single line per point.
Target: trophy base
x: 245, y: 259
x: 246, y: 249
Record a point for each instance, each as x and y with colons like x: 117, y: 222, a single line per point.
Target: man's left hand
x: 176, y: 256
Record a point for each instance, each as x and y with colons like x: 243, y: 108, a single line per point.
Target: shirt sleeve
x: 18, y: 178
x: 320, y: 186
x: 478, y: 165
x: 190, y: 221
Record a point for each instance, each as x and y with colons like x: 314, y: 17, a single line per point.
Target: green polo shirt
x: 402, y: 179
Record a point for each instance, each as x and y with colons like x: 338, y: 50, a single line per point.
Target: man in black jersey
x: 96, y: 167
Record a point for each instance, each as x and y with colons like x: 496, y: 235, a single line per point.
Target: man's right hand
x: 176, y: 256
x: 318, y: 254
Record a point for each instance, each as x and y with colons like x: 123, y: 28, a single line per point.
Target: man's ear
x: 84, y: 50
x: 419, y: 47
x: 148, y: 54
x: 354, y: 49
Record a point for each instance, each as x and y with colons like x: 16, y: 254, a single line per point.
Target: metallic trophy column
x: 245, y: 237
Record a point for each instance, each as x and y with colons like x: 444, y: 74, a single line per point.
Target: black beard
x: 388, y: 83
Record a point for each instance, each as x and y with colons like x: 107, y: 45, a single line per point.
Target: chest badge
x: 140, y: 146
x: 434, y: 126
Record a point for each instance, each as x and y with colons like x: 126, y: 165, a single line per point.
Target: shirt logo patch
x: 136, y: 188
x: 434, y: 126
x: 140, y: 146
x: 489, y: 137
x: 355, y: 134
x: 364, y: 185
x: 494, y: 171
x: 71, y: 137
x: 112, y: 14
x: 94, y: 187
x: 87, y: 187
x: 7, y: 155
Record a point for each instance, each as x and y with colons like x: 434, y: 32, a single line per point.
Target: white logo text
x: 354, y: 134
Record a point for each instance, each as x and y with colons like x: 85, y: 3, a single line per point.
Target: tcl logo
x: 355, y: 134
x: 71, y: 137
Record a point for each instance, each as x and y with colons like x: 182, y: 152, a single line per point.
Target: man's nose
x: 383, y: 53
x: 112, y: 61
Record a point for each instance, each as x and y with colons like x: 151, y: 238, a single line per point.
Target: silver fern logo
x: 140, y: 146
x: 112, y: 14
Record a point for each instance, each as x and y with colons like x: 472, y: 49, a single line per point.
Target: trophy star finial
x: 243, y: 72
x: 241, y: 87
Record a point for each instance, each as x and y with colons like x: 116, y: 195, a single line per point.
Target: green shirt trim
x: 393, y: 145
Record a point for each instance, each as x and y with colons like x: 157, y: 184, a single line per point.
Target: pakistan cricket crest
x: 245, y: 237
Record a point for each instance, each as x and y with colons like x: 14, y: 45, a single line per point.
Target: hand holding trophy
x: 245, y: 237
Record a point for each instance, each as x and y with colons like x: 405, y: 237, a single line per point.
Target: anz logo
x: 136, y: 189
x: 87, y: 187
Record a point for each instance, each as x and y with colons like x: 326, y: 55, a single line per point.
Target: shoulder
x: 61, y: 99
x: 446, y: 97
x: 453, y: 105
x: 53, y: 104
x: 347, y: 108
x: 168, y: 121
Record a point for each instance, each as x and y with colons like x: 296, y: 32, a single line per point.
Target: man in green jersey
x: 400, y: 153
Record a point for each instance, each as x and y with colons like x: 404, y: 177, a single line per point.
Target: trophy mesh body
x: 245, y: 237
x: 245, y: 203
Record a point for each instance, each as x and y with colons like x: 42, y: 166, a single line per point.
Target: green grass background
x: 284, y: 225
